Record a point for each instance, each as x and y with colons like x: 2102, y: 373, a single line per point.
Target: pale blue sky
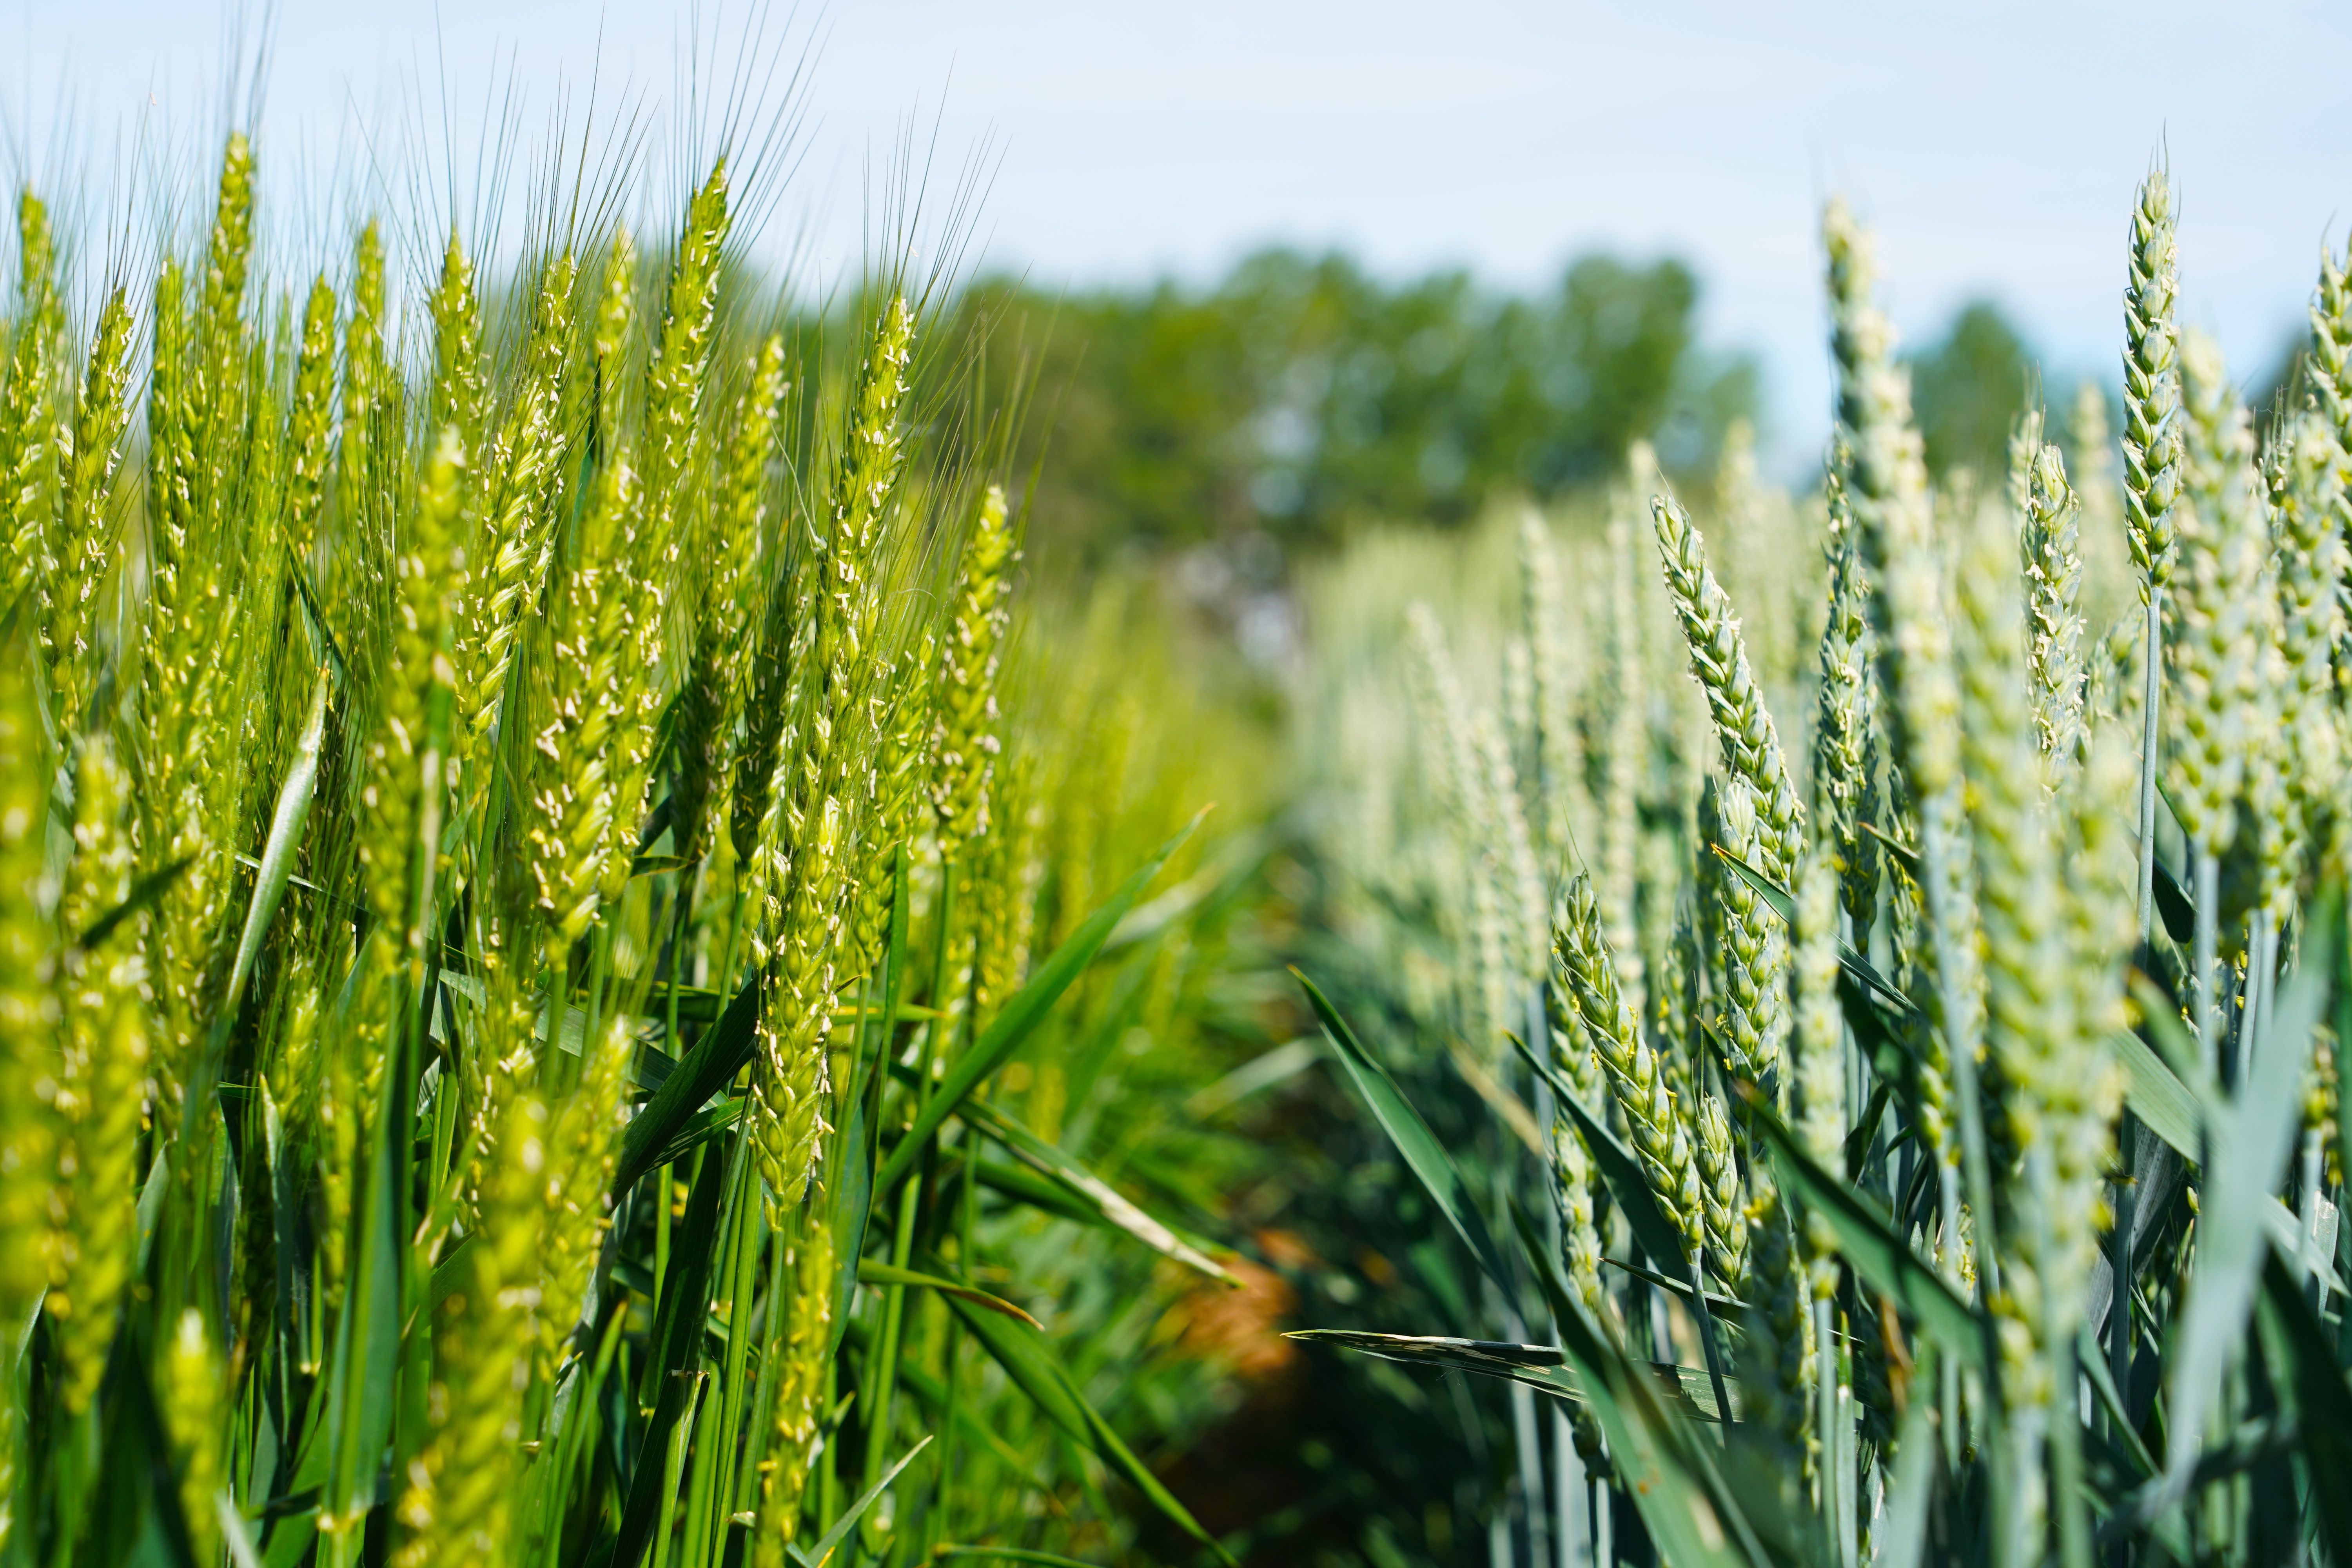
x: 1994, y: 145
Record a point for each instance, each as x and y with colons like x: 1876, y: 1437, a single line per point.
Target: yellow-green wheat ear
x: 359, y: 570
x: 965, y: 743
x: 580, y: 1150
x: 776, y: 614
x: 101, y: 1087
x: 28, y: 433
x: 189, y: 1391
x: 455, y: 402
x: 2152, y: 436
x: 400, y: 758
x: 85, y: 551
x: 2055, y: 1083
x: 310, y: 423
x: 455, y: 1499
x: 675, y: 386
x: 675, y: 440
x: 802, y: 1351
x: 1752, y: 947
x: 28, y: 999
x: 514, y: 548
x: 728, y: 620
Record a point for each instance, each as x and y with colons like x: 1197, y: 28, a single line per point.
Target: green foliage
x: 1968, y: 389
x: 1301, y: 396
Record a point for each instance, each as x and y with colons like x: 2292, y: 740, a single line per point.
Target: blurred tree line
x: 1300, y: 394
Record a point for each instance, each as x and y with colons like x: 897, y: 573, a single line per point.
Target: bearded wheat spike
x: 964, y: 743
x: 28, y: 416
x: 727, y: 624
x: 455, y: 1507
x: 1586, y: 973
x: 310, y: 423
x: 401, y: 772
x: 1718, y: 659
x: 29, y: 1010
x: 601, y: 697
x: 515, y: 543
x: 455, y: 402
x: 100, y: 1092
x: 669, y: 454
x: 191, y: 1398
x: 900, y: 775
x: 800, y: 866
x: 365, y: 448
x: 2152, y: 434
x: 2215, y: 659
x: 582, y: 1146
x: 801, y: 1351
x: 84, y: 549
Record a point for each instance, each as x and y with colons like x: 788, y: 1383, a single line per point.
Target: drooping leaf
x: 1011, y: 1028
x: 871, y: 1272
x: 2160, y: 1100
x: 721, y: 1053
x: 1715, y: 1300
x: 1089, y: 1189
x: 1540, y: 1367
x: 1030, y: 1361
x: 285, y: 837
x: 816, y: 1556
x: 1424, y: 1156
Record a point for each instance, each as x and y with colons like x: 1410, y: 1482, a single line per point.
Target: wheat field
x: 598, y: 974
